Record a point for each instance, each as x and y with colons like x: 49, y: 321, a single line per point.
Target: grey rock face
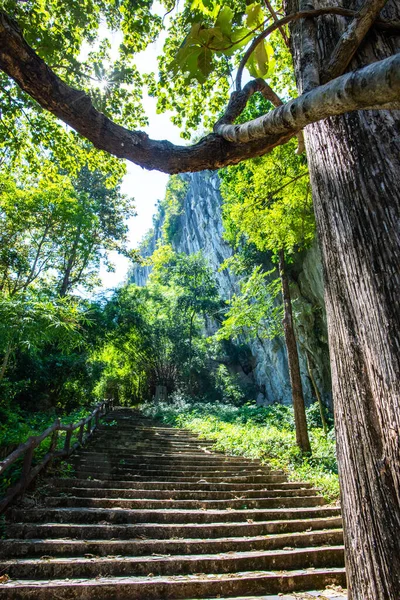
x: 200, y: 228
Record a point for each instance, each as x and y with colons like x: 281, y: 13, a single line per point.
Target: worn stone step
x: 174, y: 461
x: 238, y: 504
x: 173, y: 485
x: 160, y: 477
x: 180, y: 494
x: 66, y: 547
x: 105, y: 530
x: 331, y: 592
x: 149, y: 431
x: 179, y: 588
x: 119, y: 516
x: 164, y: 471
x: 199, y: 458
x: 137, y: 442
x: 144, y: 425
x: 182, y: 467
x: 24, y: 568
x: 158, y: 439
x: 145, y: 443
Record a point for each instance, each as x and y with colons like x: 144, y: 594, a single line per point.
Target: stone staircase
x: 151, y: 512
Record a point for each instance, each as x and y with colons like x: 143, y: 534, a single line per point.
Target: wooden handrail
x: 27, y: 450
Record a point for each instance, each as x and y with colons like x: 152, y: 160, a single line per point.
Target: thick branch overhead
x: 375, y: 86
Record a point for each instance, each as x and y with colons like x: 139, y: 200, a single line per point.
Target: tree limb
x: 75, y: 108
x: 238, y: 100
x: 351, y: 39
x: 375, y: 86
x: 276, y: 19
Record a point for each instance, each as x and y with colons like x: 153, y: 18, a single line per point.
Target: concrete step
x: 159, y: 444
x: 151, y: 470
x: 168, y: 516
x: 182, y: 467
x: 173, y: 485
x: 68, y: 547
x: 240, y: 504
x: 105, y: 530
x: 160, y: 476
x: 177, y: 587
x: 179, y: 494
x: 274, y: 560
x: 175, y: 459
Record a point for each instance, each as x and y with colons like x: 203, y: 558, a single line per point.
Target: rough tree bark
x: 300, y: 420
x: 354, y: 162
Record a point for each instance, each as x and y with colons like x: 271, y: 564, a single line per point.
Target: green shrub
x: 265, y: 433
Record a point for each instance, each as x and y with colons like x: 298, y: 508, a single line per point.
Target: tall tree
x: 55, y: 230
x: 267, y: 203
x: 354, y: 166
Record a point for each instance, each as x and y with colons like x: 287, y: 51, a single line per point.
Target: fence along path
x: 84, y: 429
x: 152, y: 512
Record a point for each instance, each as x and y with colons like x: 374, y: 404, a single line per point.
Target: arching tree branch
x: 375, y: 85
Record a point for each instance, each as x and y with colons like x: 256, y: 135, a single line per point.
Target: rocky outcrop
x: 199, y: 227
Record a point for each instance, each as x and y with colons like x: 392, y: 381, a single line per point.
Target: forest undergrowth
x: 257, y: 432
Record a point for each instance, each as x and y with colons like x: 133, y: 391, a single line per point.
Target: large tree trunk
x: 293, y: 361
x: 354, y: 163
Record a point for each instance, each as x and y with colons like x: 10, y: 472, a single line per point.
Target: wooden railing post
x: 68, y: 440
x: 81, y: 432
x: 54, y: 440
x: 54, y: 437
x: 27, y: 463
x: 89, y: 427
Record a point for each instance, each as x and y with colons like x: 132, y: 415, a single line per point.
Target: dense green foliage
x: 156, y: 339
x: 266, y: 433
x: 56, y: 230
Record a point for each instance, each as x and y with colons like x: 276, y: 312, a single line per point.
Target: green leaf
x: 240, y: 37
x: 261, y: 62
x: 204, y: 62
x: 255, y: 16
x: 207, y: 7
x: 224, y: 20
x: 191, y: 64
x: 211, y: 36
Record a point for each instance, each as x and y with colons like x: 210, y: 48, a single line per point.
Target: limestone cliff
x: 198, y: 226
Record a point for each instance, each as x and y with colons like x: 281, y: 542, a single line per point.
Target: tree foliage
x: 55, y: 231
